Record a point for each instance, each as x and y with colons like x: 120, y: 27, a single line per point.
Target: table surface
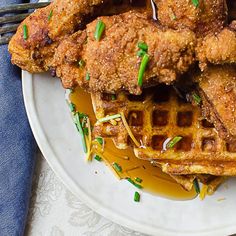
x: 55, y: 211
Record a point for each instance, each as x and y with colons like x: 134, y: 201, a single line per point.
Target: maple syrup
x: 153, y: 179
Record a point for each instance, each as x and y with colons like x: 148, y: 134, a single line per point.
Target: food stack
x: 161, y: 75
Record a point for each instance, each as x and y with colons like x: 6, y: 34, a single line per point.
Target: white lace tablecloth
x: 55, y: 211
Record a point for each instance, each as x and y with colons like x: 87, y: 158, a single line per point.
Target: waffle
x: 158, y: 114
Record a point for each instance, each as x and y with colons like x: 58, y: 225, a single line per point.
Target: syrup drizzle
x: 153, y: 179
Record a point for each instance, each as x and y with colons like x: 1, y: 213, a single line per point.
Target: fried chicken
x: 35, y: 53
x: 217, y: 87
x: 218, y: 48
x: 112, y: 63
x: 207, y: 16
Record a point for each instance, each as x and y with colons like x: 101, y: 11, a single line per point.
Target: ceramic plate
x: 60, y: 144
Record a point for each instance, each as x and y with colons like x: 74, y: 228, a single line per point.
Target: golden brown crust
x: 218, y: 87
x: 217, y: 48
x: 208, y: 16
x: 112, y: 62
x: 35, y: 54
x: 207, y: 167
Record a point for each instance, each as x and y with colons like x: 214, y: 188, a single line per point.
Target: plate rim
x: 50, y: 156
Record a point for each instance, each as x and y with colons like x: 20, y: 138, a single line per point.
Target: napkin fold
x: 17, y: 147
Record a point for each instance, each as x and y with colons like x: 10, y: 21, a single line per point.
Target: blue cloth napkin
x: 17, y: 148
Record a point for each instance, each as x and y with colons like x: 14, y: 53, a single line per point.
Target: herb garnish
x: 117, y: 167
x: 142, y: 69
x: 196, y: 98
x: 136, y: 197
x: 99, y: 140
x: 98, y: 158
x: 87, y: 77
x: 107, y: 118
x: 50, y: 15
x: 195, y: 3
x: 143, y: 46
x: 173, y: 141
x: 25, y: 32
x: 100, y: 27
x: 196, y: 186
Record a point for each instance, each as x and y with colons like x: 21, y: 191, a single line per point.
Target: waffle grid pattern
x: 154, y: 117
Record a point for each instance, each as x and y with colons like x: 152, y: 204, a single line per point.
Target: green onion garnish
x: 85, y: 131
x: 196, y: 186
x: 142, y: 69
x: 25, y: 32
x: 97, y: 158
x: 141, y: 53
x: 136, y: 197
x: 143, y: 46
x: 196, y: 98
x: 81, y: 63
x: 195, y: 3
x: 100, y: 27
x: 137, y: 179
x: 99, y: 140
x: 87, y: 77
x: 72, y: 107
x: 107, y: 118
x: 50, y: 15
x: 113, y: 97
x: 135, y: 184
x: 80, y: 129
x: 173, y: 141
x: 117, y: 167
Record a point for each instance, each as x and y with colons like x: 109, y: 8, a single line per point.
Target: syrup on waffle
x: 158, y: 115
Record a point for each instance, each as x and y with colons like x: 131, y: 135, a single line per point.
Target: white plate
x: 60, y: 144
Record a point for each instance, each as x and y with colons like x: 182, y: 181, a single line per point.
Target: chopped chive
x: 25, y: 32
x: 142, y: 69
x: 98, y: 158
x: 81, y: 63
x: 143, y: 46
x: 135, y: 184
x: 72, y: 107
x: 107, y: 118
x: 71, y: 90
x: 80, y: 129
x: 50, y: 15
x: 85, y: 131
x: 195, y: 3
x: 99, y: 140
x: 136, y: 197
x: 137, y: 179
x: 82, y: 115
x: 173, y: 141
x: 141, y: 53
x: 196, y: 98
x: 100, y: 27
x: 84, y: 120
x: 87, y: 77
x: 196, y: 186
x: 117, y: 167
x: 113, y: 97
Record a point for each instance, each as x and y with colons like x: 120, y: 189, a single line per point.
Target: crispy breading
x: 35, y: 53
x: 217, y: 87
x: 207, y: 16
x: 112, y: 62
x: 217, y: 48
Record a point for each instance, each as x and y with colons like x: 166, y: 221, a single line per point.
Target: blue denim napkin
x: 17, y: 148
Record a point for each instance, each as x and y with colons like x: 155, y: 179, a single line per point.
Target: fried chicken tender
x: 35, y: 54
x: 218, y: 48
x: 112, y: 64
x: 217, y: 87
x: 207, y: 16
